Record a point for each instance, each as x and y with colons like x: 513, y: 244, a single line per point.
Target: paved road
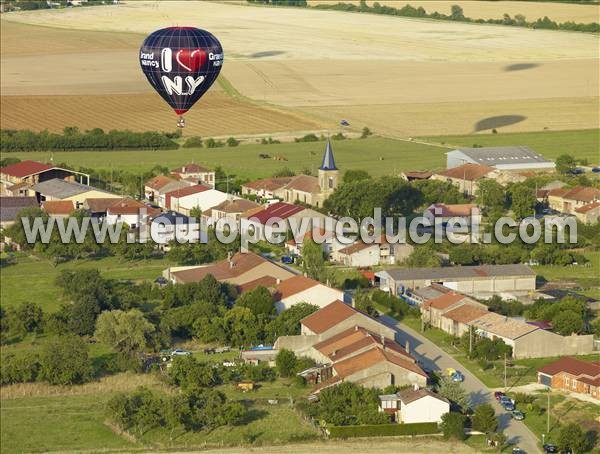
x: 433, y: 357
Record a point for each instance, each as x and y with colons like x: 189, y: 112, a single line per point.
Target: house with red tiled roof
x: 58, y: 208
x: 233, y: 208
x: 301, y: 289
x: 339, y: 316
x: 170, y: 200
x: 466, y: 177
x: 301, y: 188
x: 568, y: 200
x: 572, y: 375
x: 195, y: 173
x: 274, y: 219
x: 450, y: 214
x: 15, y: 179
x: 238, y: 269
x: 362, y: 254
x: 433, y: 310
x: 588, y: 214
x: 129, y: 211
x: 267, y: 188
x: 161, y: 184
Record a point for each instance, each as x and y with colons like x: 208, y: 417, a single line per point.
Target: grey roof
x: 450, y: 272
x: 427, y: 293
x: 491, y: 156
x: 10, y: 206
x: 61, y: 189
x: 328, y: 160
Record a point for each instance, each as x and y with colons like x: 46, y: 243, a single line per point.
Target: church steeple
x: 328, y: 160
x: 328, y: 172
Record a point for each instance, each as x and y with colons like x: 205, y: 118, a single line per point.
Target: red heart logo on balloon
x: 191, y: 59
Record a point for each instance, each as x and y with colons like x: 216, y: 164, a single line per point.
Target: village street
x: 433, y: 357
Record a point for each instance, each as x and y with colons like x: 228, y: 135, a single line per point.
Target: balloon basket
x: 181, y: 122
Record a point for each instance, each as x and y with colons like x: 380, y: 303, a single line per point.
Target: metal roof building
x: 502, y: 158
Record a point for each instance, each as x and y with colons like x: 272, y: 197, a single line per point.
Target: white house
x: 300, y: 289
x: 421, y: 405
x: 202, y: 200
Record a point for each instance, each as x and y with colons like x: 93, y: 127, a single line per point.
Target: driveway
x: 433, y: 357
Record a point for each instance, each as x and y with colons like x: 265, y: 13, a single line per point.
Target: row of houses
x: 457, y: 314
x: 572, y: 375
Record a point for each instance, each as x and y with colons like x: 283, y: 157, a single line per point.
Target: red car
x: 498, y: 395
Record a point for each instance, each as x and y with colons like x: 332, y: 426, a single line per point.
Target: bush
x: 307, y: 138
x: 232, y: 142
x: 383, y: 430
x: 193, y: 142
x: 212, y: 143
x: 21, y: 368
x: 65, y: 361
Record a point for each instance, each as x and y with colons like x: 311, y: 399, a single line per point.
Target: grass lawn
x: 378, y: 156
x: 31, y: 279
x: 586, y: 274
x: 582, y: 144
x: 38, y: 424
x: 563, y: 410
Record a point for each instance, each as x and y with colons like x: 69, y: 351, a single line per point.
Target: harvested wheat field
x: 401, y: 77
x: 558, y: 12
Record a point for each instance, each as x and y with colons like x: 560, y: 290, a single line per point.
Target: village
x: 351, y: 335
x: 299, y: 225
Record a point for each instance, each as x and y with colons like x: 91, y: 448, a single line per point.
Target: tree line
x: 457, y: 14
x: 95, y: 139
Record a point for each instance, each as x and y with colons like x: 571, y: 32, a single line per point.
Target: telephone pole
x: 548, y: 413
x: 505, y: 372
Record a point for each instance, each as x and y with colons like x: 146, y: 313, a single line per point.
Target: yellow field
x: 401, y: 77
x: 558, y: 12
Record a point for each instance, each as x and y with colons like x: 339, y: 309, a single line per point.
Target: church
x: 314, y: 190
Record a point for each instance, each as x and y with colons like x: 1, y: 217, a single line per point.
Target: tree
x: 187, y: 372
x: 423, y: 256
x: 453, y: 426
x: 258, y: 300
x: 355, y: 175
x: 457, y: 13
x: 500, y: 438
x: 484, y: 419
x: 491, y: 196
x: 287, y: 323
x: 567, y: 322
x: 454, y: 392
x: 128, y: 332
x: 285, y: 362
x: 65, y: 361
x: 241, y: 326
x: 366, y: 132
x: 313, y: 260
x: 565, y: 163
x: 572, y: 436
x: 435, y: 191
x: 523, y: 200
x: 27, y: 318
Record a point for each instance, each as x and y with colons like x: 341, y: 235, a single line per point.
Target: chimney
x: 407, y: 348
x: 355, y: 327
x: 416, y: 387
x: 277, y: 281
x: 382, y: 340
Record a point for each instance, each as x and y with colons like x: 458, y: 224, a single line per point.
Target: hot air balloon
x: 181, y: 63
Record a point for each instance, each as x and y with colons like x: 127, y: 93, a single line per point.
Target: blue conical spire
x: 328, y: 160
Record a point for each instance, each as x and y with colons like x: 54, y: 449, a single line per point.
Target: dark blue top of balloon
x: 181, y: 63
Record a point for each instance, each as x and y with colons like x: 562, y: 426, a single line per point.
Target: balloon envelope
x: 181, y: 63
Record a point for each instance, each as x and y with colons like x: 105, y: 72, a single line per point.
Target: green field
x: 378, y: 156
x: 31, y: 279
x: 587, y: 274
x: 583, y: 144
x: 77, y: 422
x: 38, y: 424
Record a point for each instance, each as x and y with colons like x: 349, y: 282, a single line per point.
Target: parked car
x: 576, y: 171
x: 508, y: 406
x: 518, y: 450
x: 457, y: 377
x: 222, y: 349
x: 596, y: 169
x: 180, y: 352
x: 548, y: 447
x: 498, y: 395
x: 287, y: 260
x: 518, y: 415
